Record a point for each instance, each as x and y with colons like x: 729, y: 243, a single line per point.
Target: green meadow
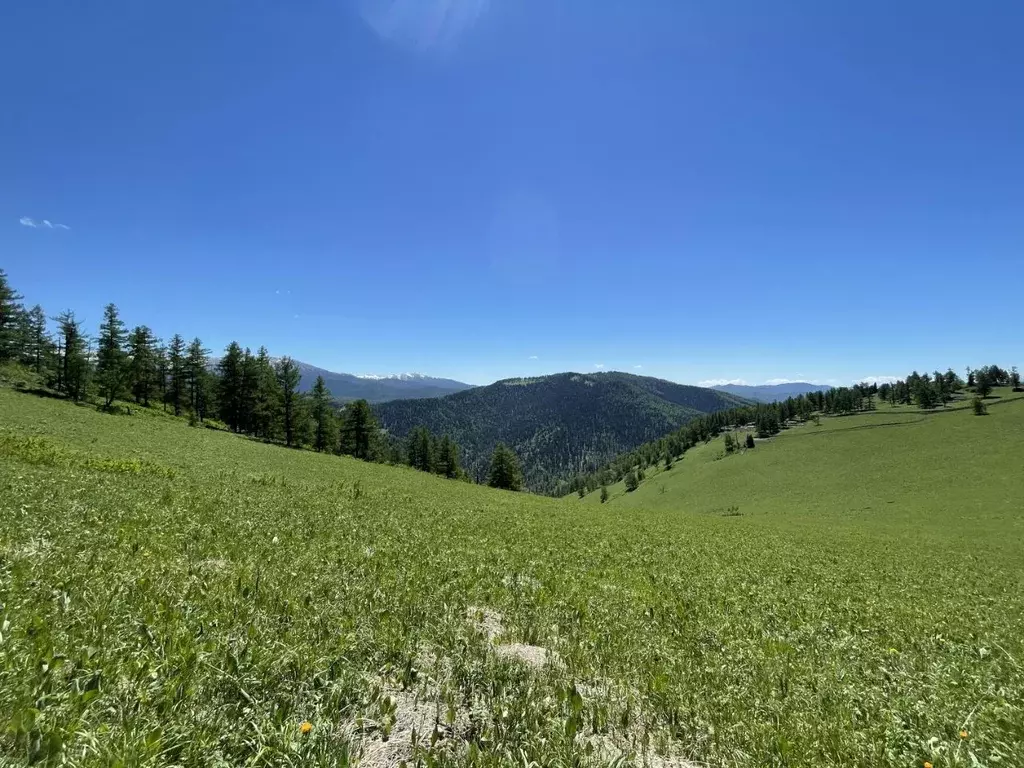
x: 847, y: 594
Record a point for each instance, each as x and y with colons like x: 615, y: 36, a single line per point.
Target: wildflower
x: 963, y: 733
x: 927, y: 764
x: 307, y: 726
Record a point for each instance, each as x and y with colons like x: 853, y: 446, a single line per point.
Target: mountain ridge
x: 557, y: 424
x: 769, y: 393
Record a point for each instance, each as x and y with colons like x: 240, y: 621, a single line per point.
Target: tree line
x: 250, y: 394
x: 926, y: 391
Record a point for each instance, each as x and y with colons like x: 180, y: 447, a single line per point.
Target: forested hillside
x: 558, y: 425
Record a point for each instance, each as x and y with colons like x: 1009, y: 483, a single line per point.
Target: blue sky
x: 698, y: 191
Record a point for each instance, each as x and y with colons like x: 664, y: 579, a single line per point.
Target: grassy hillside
x: 557, y: 425
x: 184, y: 596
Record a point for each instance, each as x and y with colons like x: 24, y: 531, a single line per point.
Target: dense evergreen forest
x: 245, y: 392
x: 764, y: 420
x: 558, y: 425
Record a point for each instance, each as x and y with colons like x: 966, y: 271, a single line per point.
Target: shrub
x: 604, y: 494
x: 750, y: 440
x: 979, y: 406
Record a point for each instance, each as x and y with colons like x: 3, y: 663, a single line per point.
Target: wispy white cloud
x: 533, y: 357
x: 28, y: 221
x: 638, y: 366
x: 720, y: 382
x: 776, y: 382
x: 599, y: 365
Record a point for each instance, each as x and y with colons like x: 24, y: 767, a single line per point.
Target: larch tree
x: 505, y: 471
x: 111, y: 358
x: 232, y: 376
x: 142, y: 365
x: 197, y: 377
x: 321, y: 411
x: 358, y: 430
x: 176, y: 383
x: 73, y: 362
x: 288, y: 377
x: 10, y: 312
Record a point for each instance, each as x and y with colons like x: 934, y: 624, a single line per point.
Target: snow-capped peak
x: 393, y: 376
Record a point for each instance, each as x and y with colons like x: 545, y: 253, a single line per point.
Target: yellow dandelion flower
x: 307, y: 726
x: 927, y: 764
x: 964, y: 734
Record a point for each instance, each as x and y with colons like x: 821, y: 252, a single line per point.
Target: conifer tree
x: 447, y: 463
x: 983, y: 382
x: 198, y: 378
x: 321, y: 411
x: 358, y: 430
x: 142, y: 364
x: 73, y: 363
x: 505, y: 470
x: 10, y: 312
x: 111, y: 359
x: 604, y: 493
x: 262, y: 396
x: 176, y: 381
x: 288, y: 382
x: 231, y: 386
x: 39, y: 345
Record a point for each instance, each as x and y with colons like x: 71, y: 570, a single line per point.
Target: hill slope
x: 212, y: 593
x: 770, y: 393
x: 559, y: 424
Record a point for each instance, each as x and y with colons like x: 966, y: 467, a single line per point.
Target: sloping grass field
x: 844, y: 595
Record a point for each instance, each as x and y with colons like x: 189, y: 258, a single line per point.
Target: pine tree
x: 231, y: 386
x: 321, y: 408
x: 604, y: 493
x: 505, y: 470
x: 288, y: 381
x: 73, y: 363
x: 10, y: 312
x: 730, y: 444
x: 198, y: 378
x: 111, y: 359
x: 142, y: 365
x: 1015, y: 379
x: 176, y: 382
x: 358, y: 430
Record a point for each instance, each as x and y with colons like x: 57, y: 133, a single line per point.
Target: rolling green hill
x: 848, y: 594
x: 557, y: 425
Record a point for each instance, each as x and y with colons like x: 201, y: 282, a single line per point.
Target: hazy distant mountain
x: 558, y: 425
x: 377, y: 389
x: 769, y: 393
x: 371, y: 387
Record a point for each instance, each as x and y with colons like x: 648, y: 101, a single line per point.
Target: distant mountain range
x: 770, y: 393
x: 377, y: 389
x: 558, y: 425
x: 373, y: 388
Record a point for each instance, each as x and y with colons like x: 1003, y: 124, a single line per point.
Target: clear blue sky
x: 709, y: 190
